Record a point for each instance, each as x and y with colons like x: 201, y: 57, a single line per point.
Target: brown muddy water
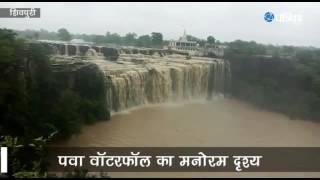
x: 217, y: 123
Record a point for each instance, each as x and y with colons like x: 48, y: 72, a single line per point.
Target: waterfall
x: 91, y: 52
x: 66, y: 52
x: 145, y: 81
x: 55, y: 50
x: 77, y: 50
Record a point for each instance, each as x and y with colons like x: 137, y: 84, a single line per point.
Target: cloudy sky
x: 294, y: 23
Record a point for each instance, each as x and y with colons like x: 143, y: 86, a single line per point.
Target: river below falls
x: 216, y: 123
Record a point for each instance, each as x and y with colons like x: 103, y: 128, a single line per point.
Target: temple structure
x: 193, y: 48
x: 184, y: 45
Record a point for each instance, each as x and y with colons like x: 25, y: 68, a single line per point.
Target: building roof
x: 184, y: 38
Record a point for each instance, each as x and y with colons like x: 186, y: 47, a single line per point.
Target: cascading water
x: 66, y: 50
x: 147, y: 76
x: 137, y: 79
x: 91, y: 52
x: 77, y: 50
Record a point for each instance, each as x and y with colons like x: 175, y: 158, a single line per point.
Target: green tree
x: 113, y: 38
x: 13, y: 104
x: 192, y: 38
x: 129, y: 38
x: 36, y: 35
x: 99, y: 39
x: 201, y: 42
x: 144, y: 41
x: 211, y: 39
x: 64, y: 34
x: 156, y: 38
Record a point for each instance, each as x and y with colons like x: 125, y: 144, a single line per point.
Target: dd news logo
x: 4, y: 160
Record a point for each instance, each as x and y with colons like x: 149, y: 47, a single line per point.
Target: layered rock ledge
x: 139, y: 79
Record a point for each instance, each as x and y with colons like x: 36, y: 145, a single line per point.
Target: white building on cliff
x: 193, y: 48
x: 184, y: 45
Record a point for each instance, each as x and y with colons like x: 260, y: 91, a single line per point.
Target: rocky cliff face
x: 139, y: 79
x: 87, y: 81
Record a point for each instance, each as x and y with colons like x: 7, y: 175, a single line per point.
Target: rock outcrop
x: 147, y: 76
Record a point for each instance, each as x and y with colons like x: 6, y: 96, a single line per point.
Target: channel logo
x: 268, y: 16
x: 284, y: 17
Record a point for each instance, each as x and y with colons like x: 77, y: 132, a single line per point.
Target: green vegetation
x: 144, y: 41
x: 36, y: 102
x: 281, y: 78
x: 211, y: 40
x: 34, y: 164
x: 155, y: 39
x: 285, y: 79
x: 64, y: 34
x: 201, y: 42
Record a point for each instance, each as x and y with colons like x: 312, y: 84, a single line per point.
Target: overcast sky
x: 225, y: 21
